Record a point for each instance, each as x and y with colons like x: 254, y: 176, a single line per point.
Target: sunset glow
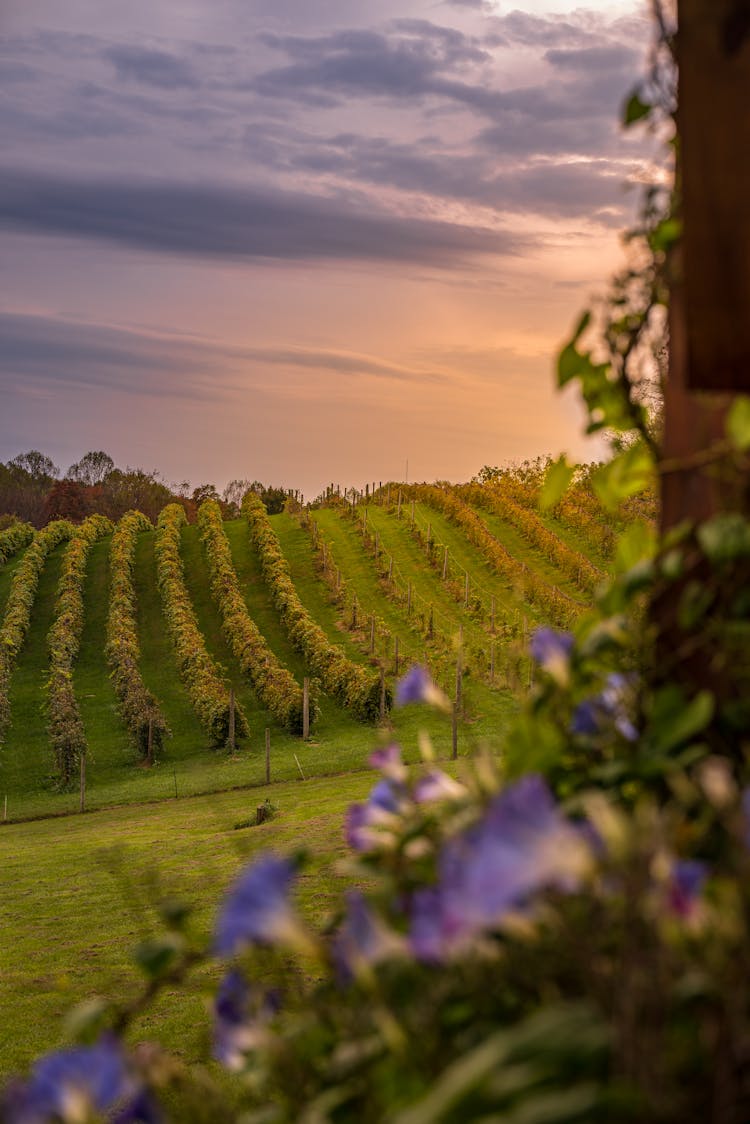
x: 306, y: 243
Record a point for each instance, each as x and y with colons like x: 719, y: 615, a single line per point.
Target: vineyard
x: 149, y: 661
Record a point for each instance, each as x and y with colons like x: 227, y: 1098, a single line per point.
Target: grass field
x: 79, y: 894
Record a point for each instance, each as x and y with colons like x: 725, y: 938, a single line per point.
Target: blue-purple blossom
x: 418, y: 686
x: 257, y: 909
x: 388, y: 761
x: 363, y: 938
x: 240, y: 1017
x: 436, y: 785
x: 552, y: 650
x: 685, y: 886
x: 364, y: 822
x: 609, y: 707
x: 521, y: 845
x: 75, y: 1084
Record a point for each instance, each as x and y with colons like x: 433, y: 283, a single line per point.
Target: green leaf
x: 725, y: 537
x: 675, y: 721
x: 156, y: 957
x: 558, y: 477
x: 666, y: 234
x: 635, y: 109
x: 626, y: 475
x: 738, y: 423
x: 636, y: 543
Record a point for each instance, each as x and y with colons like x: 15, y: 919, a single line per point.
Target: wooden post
x: 231, y: 720
x: 305, y: 708
x: 377, y: 544
x: 83, y: 782
x: 372, y: 633
x: 364, y: 520
x: 492, y: 661
x: 395, y: 656
x: 398, y: 512
x: 268, y: 755
x: 388, y: 498
x: 382, y: 693
x: 150, y: 743
x: 354, y: 611
x: 445, y: 564
x: 466, y: 591
x: 492, y: 615
x: 431, y: 625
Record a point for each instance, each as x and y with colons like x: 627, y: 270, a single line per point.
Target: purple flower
x: 388, y: 760
x: 436, y: 785
x: 418, y: 686
x: 551, y: 650
x: 257, y: 909
x: 593, y: 715
x: 685, y: 886
x: 522, y: 844
x: 240, y: 1017
x: 365, y: 822
x: 75, y: 1084
x: 363, y: 939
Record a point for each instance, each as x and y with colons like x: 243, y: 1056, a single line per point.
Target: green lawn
x: 79, y: 894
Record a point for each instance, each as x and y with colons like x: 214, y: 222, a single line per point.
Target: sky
x: 306, y: 241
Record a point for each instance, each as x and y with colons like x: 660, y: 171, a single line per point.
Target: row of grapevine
x: 64, y: 722
x: 572, y: 563
x: 19, y: 605
x: 208, y: 693
x: 355, y: 688
x: 273, y: 683
x: 138, y: 707
x: 13, y: 539
x: 369, y: 627
x: 578, y: 509
x: 555, y: 605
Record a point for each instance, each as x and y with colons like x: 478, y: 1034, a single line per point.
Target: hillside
x: 343, y: 596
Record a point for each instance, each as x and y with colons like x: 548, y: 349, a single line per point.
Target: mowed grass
x: 80, y: 892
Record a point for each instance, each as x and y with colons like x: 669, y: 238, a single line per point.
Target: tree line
x: 35, y: 490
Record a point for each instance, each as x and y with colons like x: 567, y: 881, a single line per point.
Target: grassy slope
x: 77, y: 894
x: 517, y: 545
x: 110, y: 752
x: 509, y: 603
x: 487, y: 710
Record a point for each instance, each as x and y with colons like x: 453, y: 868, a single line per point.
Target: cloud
x: 52, y: 352
x: 151, y: 67
x: 231, y: 223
